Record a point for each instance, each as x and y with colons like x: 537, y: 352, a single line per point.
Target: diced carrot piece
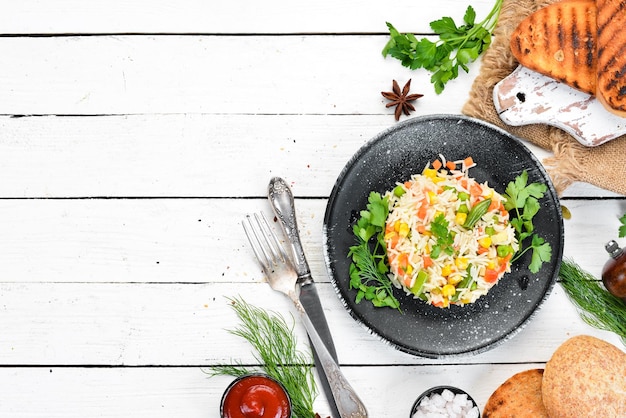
x: 437, y: 165
x: 403, y: 260
x: 491, y: 275
x: 482, y: 250
x: 421, y: 228
x: 450, y: 165
x: 476, y: 189
x: 423, y: 209
x: 427, y: 261
x: 394, y: 240
x: 495, y: 204
x: 469, y: 161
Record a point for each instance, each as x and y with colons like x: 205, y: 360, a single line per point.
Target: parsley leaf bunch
x: 445, y: 238
x: 368, y: 270
x: 522, y: 200
x: 456, y: 47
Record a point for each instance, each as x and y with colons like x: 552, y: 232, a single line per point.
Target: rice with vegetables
x: 448, y: 237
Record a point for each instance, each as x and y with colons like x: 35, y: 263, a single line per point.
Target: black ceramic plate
x: 393, y: 156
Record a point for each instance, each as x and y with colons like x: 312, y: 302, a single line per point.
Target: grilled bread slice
x: 559, y: 41
x: 611, y: 55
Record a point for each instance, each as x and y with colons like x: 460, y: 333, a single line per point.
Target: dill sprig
x: 597, y: 306
x: 275, y: 346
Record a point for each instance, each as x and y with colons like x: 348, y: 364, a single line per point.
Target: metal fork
x: 282, y: 276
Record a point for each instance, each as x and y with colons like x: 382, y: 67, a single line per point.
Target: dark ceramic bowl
x: 439, y: 390
x: 257, y: 379
x: 393, y: 156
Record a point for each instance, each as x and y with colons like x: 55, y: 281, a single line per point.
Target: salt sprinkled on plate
x: 446, y: 405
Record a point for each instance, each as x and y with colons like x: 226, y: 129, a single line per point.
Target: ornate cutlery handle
x: 281, y: 198
x: 349, y: 405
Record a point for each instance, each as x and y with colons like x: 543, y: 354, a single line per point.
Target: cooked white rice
x: 428, y: 209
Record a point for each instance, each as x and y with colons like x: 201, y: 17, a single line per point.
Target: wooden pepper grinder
x: 614, y: 271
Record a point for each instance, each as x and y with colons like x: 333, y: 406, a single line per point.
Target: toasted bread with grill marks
x: 559, y: 41
x: 611, y: 54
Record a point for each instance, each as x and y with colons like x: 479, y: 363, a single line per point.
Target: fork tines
x: 263, y: 241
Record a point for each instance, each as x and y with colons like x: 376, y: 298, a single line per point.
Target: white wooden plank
x: 110, y: 324
x: 187, y: 392
x: 196, y: 155
x: 128, y: 74
x: 197, y: 240
x: 239, y: 16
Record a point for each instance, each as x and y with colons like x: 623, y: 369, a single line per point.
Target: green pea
x: 399, y: 191
x: 504, y: 250
x: 464, y: 196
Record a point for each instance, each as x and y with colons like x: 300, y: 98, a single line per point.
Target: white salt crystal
x: 446, y: 404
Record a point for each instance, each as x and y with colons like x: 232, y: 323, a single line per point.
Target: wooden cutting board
x: 526, y: 97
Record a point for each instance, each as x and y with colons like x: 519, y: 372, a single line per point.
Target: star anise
x: 401, y: 99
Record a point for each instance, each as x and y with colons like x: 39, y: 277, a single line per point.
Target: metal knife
x: 281, y: 199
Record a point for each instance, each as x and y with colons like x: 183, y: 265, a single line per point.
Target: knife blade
x: 281, y: 200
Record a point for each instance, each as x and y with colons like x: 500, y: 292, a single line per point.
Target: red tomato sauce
x: 256, y: 396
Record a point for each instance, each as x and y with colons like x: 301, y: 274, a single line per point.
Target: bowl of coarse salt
x: 444, y: 402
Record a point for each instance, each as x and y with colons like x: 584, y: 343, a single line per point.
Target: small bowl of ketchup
x: 255, y: 396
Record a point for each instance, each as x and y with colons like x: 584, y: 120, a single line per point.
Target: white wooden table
x: 134, y: 137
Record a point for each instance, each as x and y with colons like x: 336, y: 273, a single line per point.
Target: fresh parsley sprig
x: 622, y: 228
x: 457, y: 46
x: 522, y: 202
x: 444, y: 237
x: 368, y: 270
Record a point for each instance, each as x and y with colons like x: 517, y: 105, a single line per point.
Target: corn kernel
x: 456, y: 279
x: 432, y: 197
x: 485, y: 242
x: 461, y: 263
x: 491, y: 264
x: 487, y: 193
x: 448, y: 290
x: 446, y: 270
x: 429, y: 172
x: 403, y: 230
x: 408, y: 269
x: 460, y: 218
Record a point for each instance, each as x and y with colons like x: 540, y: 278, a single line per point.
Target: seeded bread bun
x: 586, y: 377
x: 519, y: 396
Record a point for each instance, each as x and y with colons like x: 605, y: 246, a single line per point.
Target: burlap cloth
x: 603, y: 166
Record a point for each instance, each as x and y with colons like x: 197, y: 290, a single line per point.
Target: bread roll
x: 586, y: 377
x: 519, y: 396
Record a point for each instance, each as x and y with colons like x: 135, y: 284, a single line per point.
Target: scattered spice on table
x: 401, y: 99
